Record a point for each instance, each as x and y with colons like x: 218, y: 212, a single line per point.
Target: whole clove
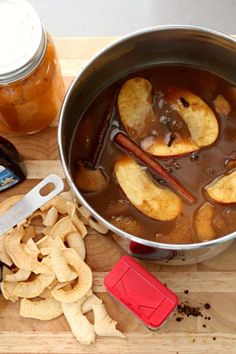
x: 184, y: 102
x: 171, y: 138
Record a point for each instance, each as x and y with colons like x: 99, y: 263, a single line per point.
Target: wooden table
x: 213, y: 281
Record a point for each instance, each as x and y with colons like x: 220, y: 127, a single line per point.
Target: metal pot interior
x: 183, y: 45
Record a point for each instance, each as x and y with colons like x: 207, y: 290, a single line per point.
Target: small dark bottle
x: 12, y: 170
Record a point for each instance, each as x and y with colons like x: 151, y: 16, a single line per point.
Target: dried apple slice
x: 36, y: 217
x: 199, y: 118
x: 46, y: 230
x: 223, y: 189
x: 90, y: 300
x: 30, y: 233
x: 44, y: 310
x: 104, y: 325
x: 156, y: 202
x: 203, y: 223
x: 67, y: 196
x: 92, y: 222
x: 56, y: 202
x: 63, y: 227
x: 34, y: 288
x: 135, y: 106
x: 61, y: 269
x: 19, y: 275
x: 83, y: 283
x: 51, y: 217
x: 46, y: 293
x: 80, y: 326
x: 72, y: 212
x: 9, y: 202
x: 45, y: 241
x: 8, y: 287
x: 4, y: 257
x: 76, y: 242
x: 4, y: 206
x: 32, y: 248
x: 20, y: 257
x: 7, y: 291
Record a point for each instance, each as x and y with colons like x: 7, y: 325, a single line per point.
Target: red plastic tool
x: 140, y: 292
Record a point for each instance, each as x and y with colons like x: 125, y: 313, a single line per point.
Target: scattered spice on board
x: 186, y: 291
x: 189, y: 310
x: 207, y: 306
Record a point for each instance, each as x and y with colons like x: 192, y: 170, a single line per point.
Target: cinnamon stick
x: 122, y: 140
x: 102, y: 132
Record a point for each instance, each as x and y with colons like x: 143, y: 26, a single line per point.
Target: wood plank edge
x: 149, y: 342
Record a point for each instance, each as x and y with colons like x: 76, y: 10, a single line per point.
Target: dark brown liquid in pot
x: 194, y: 171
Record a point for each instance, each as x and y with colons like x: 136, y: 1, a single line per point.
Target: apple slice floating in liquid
x: 199, y: 118
x: 135, y: 106
x: 155, y: 202
x: 223, y: 189
x: 203, y: 223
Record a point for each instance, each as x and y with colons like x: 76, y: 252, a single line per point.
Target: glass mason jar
x: 31, y: 83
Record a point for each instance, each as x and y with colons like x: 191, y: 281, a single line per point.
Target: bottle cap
x: 22, y: 40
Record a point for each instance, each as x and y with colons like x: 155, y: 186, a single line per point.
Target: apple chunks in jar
x: 155, y: 155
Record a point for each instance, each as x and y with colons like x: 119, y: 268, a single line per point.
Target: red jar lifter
x: 140, y: 292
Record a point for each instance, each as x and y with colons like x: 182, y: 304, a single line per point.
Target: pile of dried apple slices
x: 46, y: 269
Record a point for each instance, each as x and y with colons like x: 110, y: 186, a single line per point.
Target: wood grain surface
x: 212, y: 282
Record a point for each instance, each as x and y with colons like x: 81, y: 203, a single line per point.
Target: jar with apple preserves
x: 31, y: 83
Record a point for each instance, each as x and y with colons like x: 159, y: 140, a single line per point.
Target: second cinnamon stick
x: 102, y: 132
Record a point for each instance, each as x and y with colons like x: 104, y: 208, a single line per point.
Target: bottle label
x: 7, y: 178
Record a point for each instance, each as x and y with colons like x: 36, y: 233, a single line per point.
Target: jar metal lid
x: 22, y: 40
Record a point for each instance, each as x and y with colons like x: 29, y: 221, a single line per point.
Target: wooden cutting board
x: 212, y: 282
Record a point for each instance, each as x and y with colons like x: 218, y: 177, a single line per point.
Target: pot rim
x: 192, y: 246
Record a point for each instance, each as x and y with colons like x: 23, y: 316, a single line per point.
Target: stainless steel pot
x: 203, y: 48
